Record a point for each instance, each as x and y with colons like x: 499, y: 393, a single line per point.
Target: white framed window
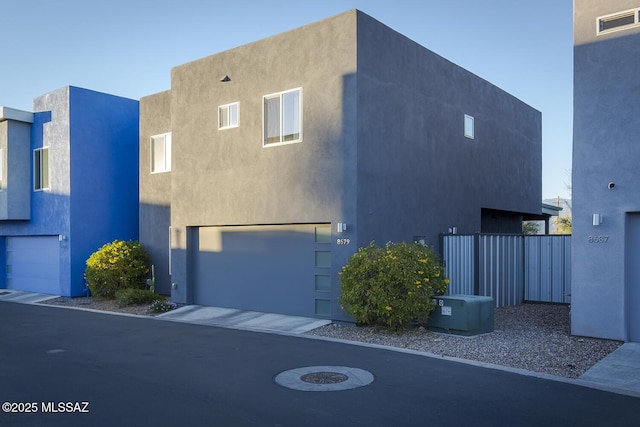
x: 469, y: 126
x: 282, y: 118
x: 618, y: 21
x: 41, y: 169
x: 229, y: 115
x: 160, y: 153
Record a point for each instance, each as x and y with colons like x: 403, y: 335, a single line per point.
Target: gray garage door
x: 278, y: 269
x: 33, y: 264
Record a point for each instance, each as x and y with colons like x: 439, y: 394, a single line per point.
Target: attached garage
x: 33, y: 264
x: 271, y: 268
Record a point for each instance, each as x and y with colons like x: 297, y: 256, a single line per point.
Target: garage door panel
x: 262, y: 268
x: 33, y: 264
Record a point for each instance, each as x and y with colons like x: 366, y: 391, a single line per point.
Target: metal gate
x: 510, y: 268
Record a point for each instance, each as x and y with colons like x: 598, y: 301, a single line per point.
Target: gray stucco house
x: 265, y: 167
x: 606, y: 152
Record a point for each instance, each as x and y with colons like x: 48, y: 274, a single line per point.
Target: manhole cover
x: 324, y: 378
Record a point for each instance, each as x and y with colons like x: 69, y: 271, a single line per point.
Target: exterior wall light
x: 597, y: 219
x: 341, y: 227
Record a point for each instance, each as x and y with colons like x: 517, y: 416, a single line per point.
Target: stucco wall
x: 155, y: 189
x: 605, y: 149
x: 93, y: 190
x: 226, y: 177
x: 383, y: 149
x: 103, y: 171
x: 15, y: 195
x: 418, y: 174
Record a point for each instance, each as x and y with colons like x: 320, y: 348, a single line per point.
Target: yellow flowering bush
x: 116, y: 265
x: 392, y: 286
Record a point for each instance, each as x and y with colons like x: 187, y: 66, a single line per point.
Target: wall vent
x: 618, y: 21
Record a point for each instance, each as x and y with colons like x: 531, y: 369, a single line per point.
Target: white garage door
x: 279, y: 269
x: 33, y: 264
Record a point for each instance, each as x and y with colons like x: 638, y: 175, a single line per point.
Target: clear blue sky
x: 128, y: 47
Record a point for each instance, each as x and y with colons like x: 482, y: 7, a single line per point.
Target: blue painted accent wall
x: 104, y: 175
x: 93, y: 161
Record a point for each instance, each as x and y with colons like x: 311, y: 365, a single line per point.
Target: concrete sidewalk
x: 201, y: 315
x: 242, y: 319
x: 620, y: 369
x: 619, y: 372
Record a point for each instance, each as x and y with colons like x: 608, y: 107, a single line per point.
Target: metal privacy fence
x: 510, y: 268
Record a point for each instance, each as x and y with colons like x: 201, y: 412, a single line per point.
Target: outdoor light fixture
x: 225, y: 79
x: 342, y: 227
x: 597, y: 219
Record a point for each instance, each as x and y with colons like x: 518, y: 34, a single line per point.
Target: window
x: 228, y: 115
x: 41, y: 169
x: 618, y: 21
x: 282, y: 117
x: 469, y: 127
x: 161, y: 153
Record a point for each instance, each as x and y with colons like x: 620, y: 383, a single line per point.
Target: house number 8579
x: 343, y: 241
x: 597, y: 239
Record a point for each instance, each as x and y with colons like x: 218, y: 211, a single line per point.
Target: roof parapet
x: 7, y: 113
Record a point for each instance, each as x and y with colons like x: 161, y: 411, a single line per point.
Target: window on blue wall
x: 228, y: 115
x: 282, y: 117
x: 161, y: 153
x: 469, y: 126
x: 41, y: 169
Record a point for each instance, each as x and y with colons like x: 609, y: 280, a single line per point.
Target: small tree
x: 529, y: 227
x: 116, y: 265
x: 564, y: 225
x: 391, y: 286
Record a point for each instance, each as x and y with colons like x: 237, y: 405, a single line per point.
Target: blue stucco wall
x: 605, y: 149
x: 104, y: 175
x: 93, y: 161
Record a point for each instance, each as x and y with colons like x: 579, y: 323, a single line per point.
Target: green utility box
x: 462, y: 315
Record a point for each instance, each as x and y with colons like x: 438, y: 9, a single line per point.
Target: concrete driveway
x: 136, y: 371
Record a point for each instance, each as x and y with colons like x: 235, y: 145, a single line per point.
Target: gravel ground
x: 535, y: 337
x: 100, y: 304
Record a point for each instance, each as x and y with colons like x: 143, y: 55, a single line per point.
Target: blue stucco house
x: 68, y: 184
x: 605, y: 300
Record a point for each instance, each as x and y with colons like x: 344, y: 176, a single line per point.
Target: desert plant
x: 134, y: 296
x: 151, y: 283
x: 391, y: 286
x: 115, y: 266
x: 162, y: 306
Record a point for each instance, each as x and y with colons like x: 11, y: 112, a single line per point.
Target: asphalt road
x: 147, y: 372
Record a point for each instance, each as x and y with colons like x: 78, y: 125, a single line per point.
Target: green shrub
x: 392, y: 286
x: 134, y: 296
x: 116, y: 265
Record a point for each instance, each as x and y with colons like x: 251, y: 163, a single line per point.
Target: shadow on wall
x: 154, y: 235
